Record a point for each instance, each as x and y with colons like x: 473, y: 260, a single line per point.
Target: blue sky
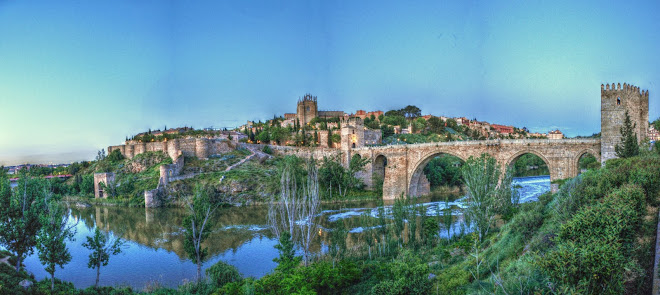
x: 77, y: 76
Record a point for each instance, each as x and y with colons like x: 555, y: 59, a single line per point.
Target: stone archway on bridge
x: 576, y: 161
x: 418, y: 184
x: 512, y: 160
x: 378, y: 167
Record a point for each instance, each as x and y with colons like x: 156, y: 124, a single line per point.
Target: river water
x: 154, y: 253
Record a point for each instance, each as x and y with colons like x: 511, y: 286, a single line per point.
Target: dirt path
x: 241, y: 161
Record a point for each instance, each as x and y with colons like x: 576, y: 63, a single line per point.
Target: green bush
x: 409, y: 275
x: 452, y: 280
x: 593, y: 247
x: 222, y: 273
x: 326, y: 279
x: 529, y: 220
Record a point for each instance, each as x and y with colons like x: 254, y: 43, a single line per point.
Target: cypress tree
x: 628, y: 146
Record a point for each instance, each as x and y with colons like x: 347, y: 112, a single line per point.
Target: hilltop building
x: 502, y: 129
x: 555, y: 134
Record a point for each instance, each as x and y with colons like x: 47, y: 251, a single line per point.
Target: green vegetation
x: 444, y: 170
x: 530, y: 165
x: 52, y: 238
x: 102, y: 246
x: 337, y: 181
x: 595, y: 236
x: 628, y: 146
x: 20, y: 212
x: 588, y: 162
x: 200, y: 208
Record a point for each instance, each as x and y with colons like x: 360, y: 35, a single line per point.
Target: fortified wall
x: 190, y: 147
x: 615, y: 100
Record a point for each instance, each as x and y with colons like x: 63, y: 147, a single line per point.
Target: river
x: 154, y: 255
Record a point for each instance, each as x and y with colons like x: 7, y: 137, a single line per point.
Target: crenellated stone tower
x: 307, y: 109
x: 615, y: 100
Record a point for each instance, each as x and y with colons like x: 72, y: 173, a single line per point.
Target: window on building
x: 618, y: 101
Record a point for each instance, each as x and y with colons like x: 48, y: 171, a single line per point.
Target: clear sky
x: 77, y: 76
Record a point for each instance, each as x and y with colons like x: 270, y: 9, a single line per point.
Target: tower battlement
x: 307, y: 97
x: 627, y: 88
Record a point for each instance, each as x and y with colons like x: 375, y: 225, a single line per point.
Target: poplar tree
x: 52, y: 239
x: 628, y: 146
x: 197, y: 227
x: 102, y: 246
x: 20, y: 215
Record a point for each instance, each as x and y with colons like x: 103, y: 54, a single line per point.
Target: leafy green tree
x: 412, y: 112
x: 20, y: 212
x: 486, y: 192
x: 279, y: 135
x: 87, y: 184
x: 628, y: 146
x: 264, y: 136
x: 200, y: 209
x: 418, y: 125
x: 444, y: 170
x: 52, y: 238
x: 355, y: 166
x: 115, y: 156
x: 102, y: 247
x: 436, y: 125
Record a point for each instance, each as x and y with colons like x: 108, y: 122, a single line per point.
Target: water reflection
x: 240, y: 237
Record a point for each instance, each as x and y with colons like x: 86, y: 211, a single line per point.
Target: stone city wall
x: 190, y: 147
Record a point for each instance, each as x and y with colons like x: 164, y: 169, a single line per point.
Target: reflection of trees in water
x: 233, y: 227
x: 161, y: 228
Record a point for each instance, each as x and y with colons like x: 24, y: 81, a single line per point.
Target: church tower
x: 307, y: 109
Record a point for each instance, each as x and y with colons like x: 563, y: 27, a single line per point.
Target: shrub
x: 528, y: 221
x: 593, y: 247
x: 267, y: 150
x: 222, y: 273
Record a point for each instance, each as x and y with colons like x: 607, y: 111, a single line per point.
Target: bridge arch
x: 378, y: 168
x: 416, y: 186
x: 575, y: 162
x: 511, y: 161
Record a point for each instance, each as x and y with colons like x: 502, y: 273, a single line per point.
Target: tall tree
x: 295, y: 215
x: 309, y: 210
x: 628, y: 146
x: 487, y: 194
x: 54, y: 233
x: 102, y: 246
x: 197, y: 226
x: 20, y: 215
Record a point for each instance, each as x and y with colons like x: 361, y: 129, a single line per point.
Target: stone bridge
x: 401, y: 166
